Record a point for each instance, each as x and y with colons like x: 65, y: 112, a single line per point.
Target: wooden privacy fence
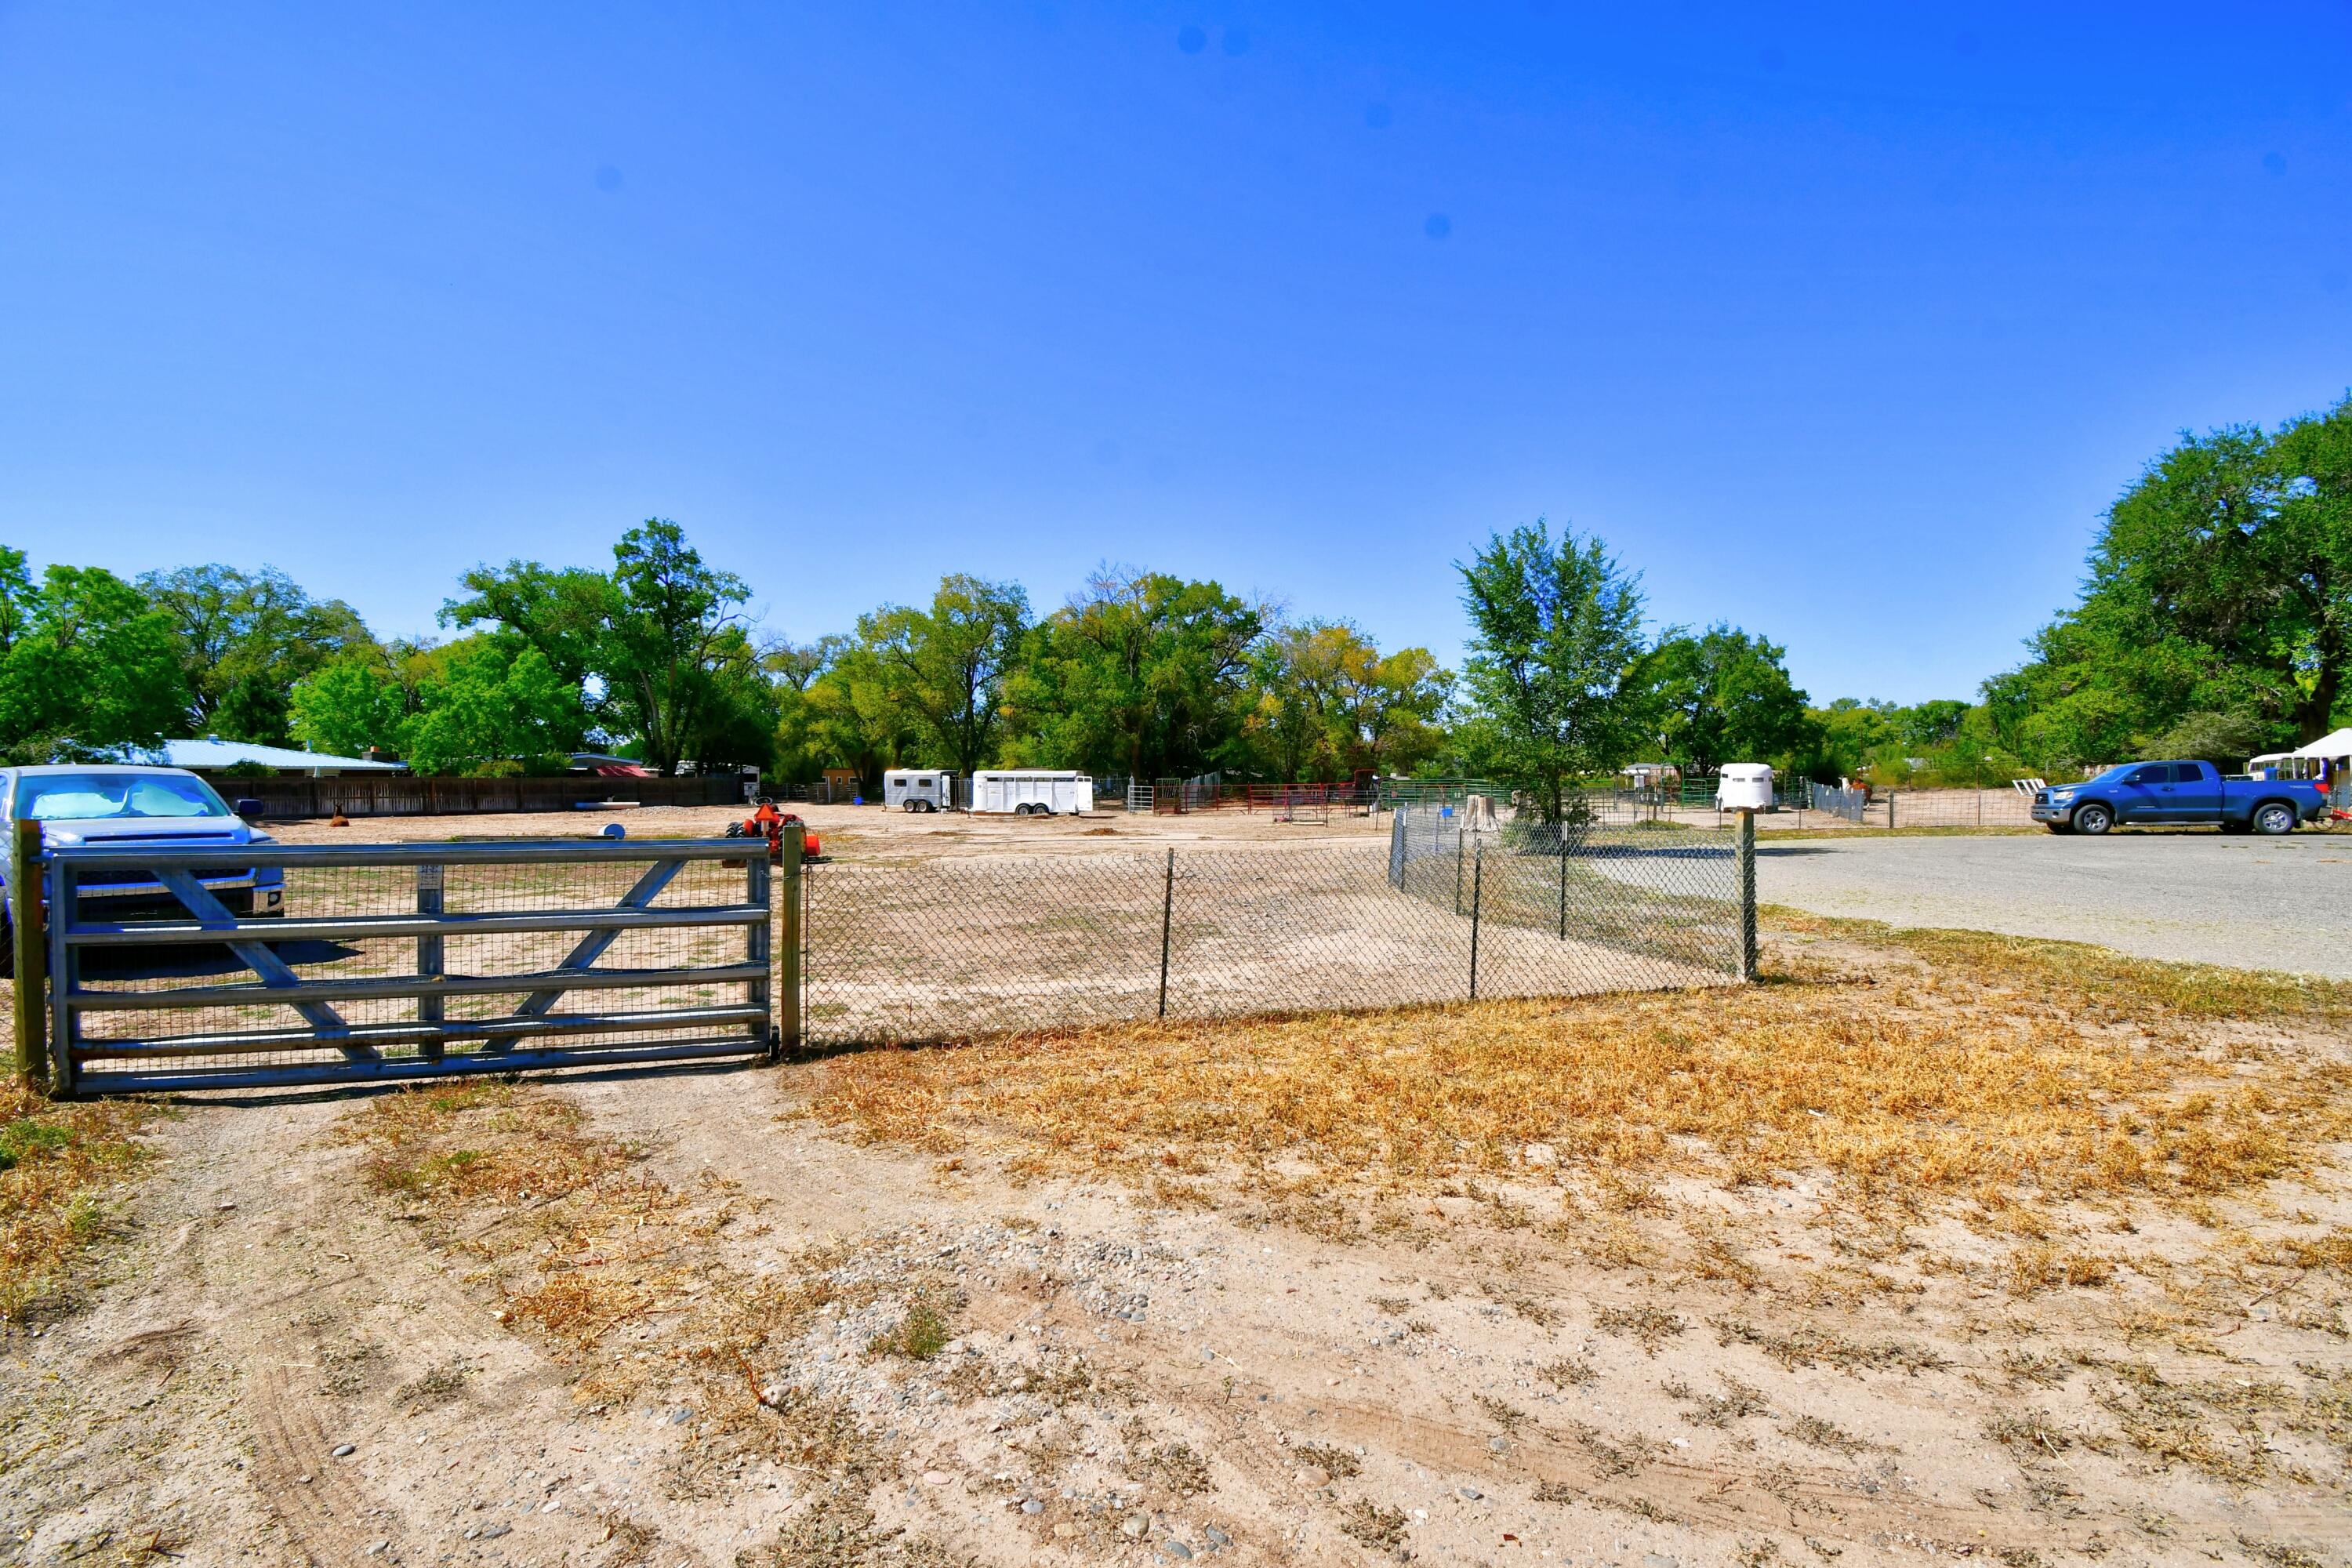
x: 409, y: 794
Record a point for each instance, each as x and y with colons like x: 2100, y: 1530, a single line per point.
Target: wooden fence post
x: 31, y: 954
x: 788, y: 902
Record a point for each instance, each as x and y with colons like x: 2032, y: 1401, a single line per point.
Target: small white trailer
x: 919, y: 789
x: 1032, y: 791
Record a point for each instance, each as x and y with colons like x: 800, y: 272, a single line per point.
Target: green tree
x: 675, y: 629
x: 947, y: 664
x: 1394, y: 705
x: 354, y: 702
x: 90, y: 668
x: 658, y: 650
x: 2221, y: 585
x: 244, y: 639
x: 1722, y: 697
x: 1142, y: 673
x: 483, y: 707
x: 1555, y: 637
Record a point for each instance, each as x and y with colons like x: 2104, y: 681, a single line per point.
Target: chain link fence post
x: 1166, y: 926
x: 1747, y: 858
x: 1478, y: 901
x: 789, y: 897
x: 1563, y: 887
x: 30, y: 953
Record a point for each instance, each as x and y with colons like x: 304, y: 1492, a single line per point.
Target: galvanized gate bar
x: 276, y: 973
x: 230, y: 1042
x: 401, y: 985
x: 322, y: 927
x: 591, y: 947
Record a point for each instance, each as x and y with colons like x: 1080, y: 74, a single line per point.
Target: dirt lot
x: 1936, y: 1246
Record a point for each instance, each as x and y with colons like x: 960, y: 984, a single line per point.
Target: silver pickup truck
x: 110, y: 803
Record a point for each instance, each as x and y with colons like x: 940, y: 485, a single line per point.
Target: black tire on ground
x: 2274, y: 817
x: 1022, y: 810
x: 2092, y: 820
x: 7, y: 950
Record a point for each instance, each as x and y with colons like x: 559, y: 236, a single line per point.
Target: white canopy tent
x: 2335, y: 748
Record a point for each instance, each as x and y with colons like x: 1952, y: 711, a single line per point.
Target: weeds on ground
x: 608, y: 1269
x: 1994, y: 1078
x: 1333, y: 1460
x: 58, y: 1163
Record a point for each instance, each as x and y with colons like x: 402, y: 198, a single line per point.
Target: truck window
x: 2161, y: 773
x: 2188, y: 773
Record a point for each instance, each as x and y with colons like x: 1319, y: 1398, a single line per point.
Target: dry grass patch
x: 1979, y: 1079
x: 58, y: 1162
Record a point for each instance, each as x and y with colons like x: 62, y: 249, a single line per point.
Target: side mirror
x: 249, y: 809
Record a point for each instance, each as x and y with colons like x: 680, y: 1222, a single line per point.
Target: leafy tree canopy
x: 1555, y: 638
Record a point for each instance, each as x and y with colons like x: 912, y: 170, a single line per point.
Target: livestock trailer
x: 919, y: 789
x: 1032, y: 791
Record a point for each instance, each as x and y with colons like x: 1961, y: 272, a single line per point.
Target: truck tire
x: 2093, y: 819
x: 8, y: 949
x: 2274, y: 817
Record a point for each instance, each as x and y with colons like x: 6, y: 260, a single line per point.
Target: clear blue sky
x: 1841, y: 327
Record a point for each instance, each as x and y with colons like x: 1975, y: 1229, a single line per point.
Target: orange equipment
x: 766, y: 821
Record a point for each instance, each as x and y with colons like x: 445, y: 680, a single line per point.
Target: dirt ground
x: 736, y: 1316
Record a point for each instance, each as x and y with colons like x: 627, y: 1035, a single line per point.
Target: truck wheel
x: 2274, y: 816
x: 2092, y: 820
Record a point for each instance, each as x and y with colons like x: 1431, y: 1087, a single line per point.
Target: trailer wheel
x: 2093, y: 820
x: 2274, y: 817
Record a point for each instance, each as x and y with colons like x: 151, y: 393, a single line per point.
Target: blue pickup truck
x: 2154, y: 794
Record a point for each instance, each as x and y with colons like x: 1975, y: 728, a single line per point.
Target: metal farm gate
x: 398, y: 961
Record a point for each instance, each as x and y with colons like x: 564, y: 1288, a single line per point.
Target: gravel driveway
x: 2254, y: 904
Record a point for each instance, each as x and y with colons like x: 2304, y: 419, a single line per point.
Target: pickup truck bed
x: 2174, y: 793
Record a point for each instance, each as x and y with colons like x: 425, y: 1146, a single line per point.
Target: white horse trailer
x: 1032, y: 791
x: 919, y: 789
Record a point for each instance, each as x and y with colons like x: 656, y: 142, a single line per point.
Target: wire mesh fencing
x: 950, y: 947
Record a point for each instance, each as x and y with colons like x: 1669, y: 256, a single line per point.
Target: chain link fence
x: 938, y: 948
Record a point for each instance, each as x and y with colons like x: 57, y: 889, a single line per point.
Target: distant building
x: 213, y: 755
x: 604, y: 765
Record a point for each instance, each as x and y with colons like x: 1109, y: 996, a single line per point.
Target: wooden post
x: 1890, y: 811
x: 1747, y: 858
x: 31, y: 954
x: 429, y: 959
x: 788, y: 902
x: 1166, y: 926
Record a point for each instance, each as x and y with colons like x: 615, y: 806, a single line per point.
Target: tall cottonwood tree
x: 948, y: 663
x: 2219, y: 601
x: 1554, y: 634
